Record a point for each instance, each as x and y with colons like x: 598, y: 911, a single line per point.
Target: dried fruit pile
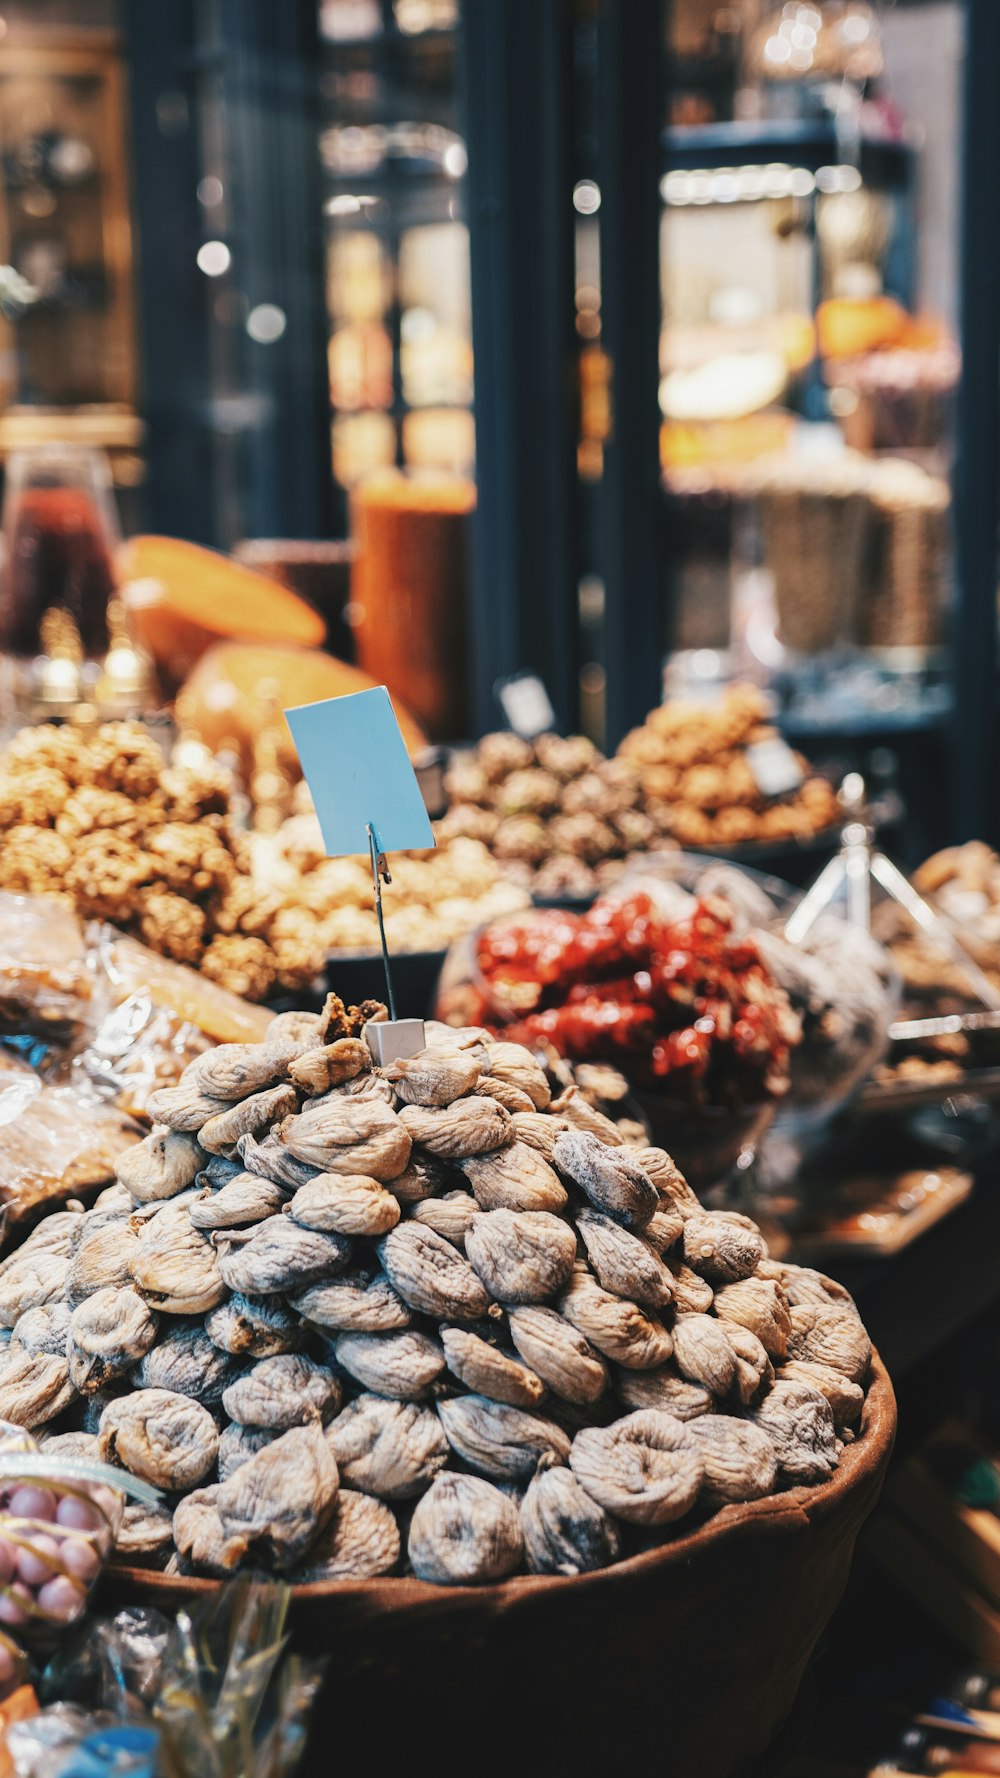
x: 561, y: 817
x: 679, y: 996
x: 698, y: 782
x: 352, y: 1320
x: 100, y: 817
x: 435, y: 896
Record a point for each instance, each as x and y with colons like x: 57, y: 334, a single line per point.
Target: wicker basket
x: 690, y: 1653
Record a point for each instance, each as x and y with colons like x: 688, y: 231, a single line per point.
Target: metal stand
x: 391, y: 1039
x: 850, y: 874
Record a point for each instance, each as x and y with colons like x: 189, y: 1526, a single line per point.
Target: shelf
x: 109, y: 428
x: 810, y: 143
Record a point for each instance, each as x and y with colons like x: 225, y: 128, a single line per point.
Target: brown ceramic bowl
x: 690, y: 1654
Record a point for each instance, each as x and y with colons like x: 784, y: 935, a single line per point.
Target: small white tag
x: 394, y: 1040
x: 776, y: 771
x: 526, y: 705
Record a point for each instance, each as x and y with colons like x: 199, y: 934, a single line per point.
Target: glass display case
x: 808, y: 354
x: 67, y: 318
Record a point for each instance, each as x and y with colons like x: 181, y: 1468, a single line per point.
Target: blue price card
x: 355, y: 762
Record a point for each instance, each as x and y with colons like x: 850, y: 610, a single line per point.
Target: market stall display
x: 325, y: 1250
x: 560, y: 817
x: 962, y: 885
x: 436, y: 895
x: 699, y: 780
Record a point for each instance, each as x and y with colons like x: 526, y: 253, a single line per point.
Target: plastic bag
x: 45, y: 985
x: 151, y: 1017
x: 54, y: 1140
x: 58, y: 1522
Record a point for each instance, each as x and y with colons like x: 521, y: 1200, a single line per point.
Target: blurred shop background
x: 679, y: 321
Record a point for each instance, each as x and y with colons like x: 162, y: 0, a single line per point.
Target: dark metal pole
x: 524, y: 599
x: 269, y: 78
x: 977, y: 477
x: 631, y: 102
x: 173, y: 295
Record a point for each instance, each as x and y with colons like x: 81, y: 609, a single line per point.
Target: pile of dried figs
x: 428, y: 1318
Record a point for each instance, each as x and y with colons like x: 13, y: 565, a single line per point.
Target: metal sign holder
x: 392, y: 1039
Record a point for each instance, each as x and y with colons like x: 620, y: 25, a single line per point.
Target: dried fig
x: 390, y: 1448
x: 539, y: 1131
x: 102, y: 1256
x: 423, y: 1177
x: 664, y: 1227
x: 355, y: 1302
x: 624, y: 1263
x: 798, y: 1421
x: 514, y: 1178
x: 276, y: 1393
x: 471, y: 1126
x: 619, y: 1329
x: 430, y: 1275
x: 330, y: 1065
x: 254, y: 1327
x: 740, y: 1460
x: 176, y: 1267
x: 704, y: 1354
x: 182, y: 1107
x: 721, y: 1250
x: 187, y: 1363
x: 498, y: 1441
x: 512, y: 1063
x: 565, y: 1531
x: 403, y: 1366
x: 846, y: 1398
x: 345, y: 1204
x: 34, y: 1386
x: 348, y: 1135
x: 239, y: 1443
x: 159, y: 1166
x: 242, y: 1201
x: 108, y: 1333
x: 434, y: 1077
x: 646, y: 1468
x: 271, y: 1160
x: 760, y: 1305
x: 246, y: 1118
x: 563, y: 1358
x: 360, y: 1542
x: 830, y: 1334
x: 164, y: 1438
x: 486, y: 1370
x: 521, y: 1256
x: 280, y: 1256
x: 450, y: 1216
x: 754, y: 1370
x: 464, y: 1531
x: 692, y: 1296
x: 673, y: 1188
x: 272, y: 1507
x: 236, y: 1070
x: 611, y: 1178
x: 665, y: 1391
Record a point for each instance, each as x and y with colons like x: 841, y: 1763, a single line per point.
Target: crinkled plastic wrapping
x: 46, y: 986
x: 151, y: 1017
x: 93, y: 1009
x: 214, y: 1695
x: 55, y: 1141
